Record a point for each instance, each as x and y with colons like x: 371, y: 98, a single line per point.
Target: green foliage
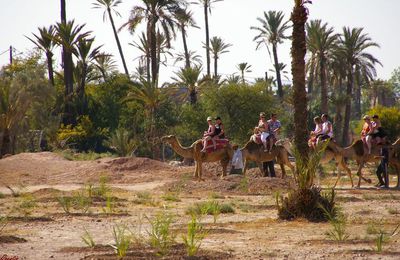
x: 89, y: 156
x: 145, y: 198
x: 122, y: 240
x: 66, y: 203
x: 121, y: 142
x: 84, y: 136
x: 381, y: 235
x: 27, y: 203
x: 338, y: 224
x: 87, y: 238
x: 110, y: 205
x: 103, y: 189
x: 81, y: 202
x: 239, y: 103
x: 171, y: 196
x: 390, y: 119
x: 244, y: 184
x: 195, y: 235
x: 160, y: 235
x: 210, y: 207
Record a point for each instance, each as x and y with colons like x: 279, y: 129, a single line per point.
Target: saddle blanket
x: 219, y: 144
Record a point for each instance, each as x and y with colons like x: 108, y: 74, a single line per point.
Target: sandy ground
x: 45, y: 231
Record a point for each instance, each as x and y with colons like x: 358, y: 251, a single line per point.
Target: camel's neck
x: 186, y: 152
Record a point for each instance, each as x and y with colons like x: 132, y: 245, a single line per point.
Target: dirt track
x: 252, y: 232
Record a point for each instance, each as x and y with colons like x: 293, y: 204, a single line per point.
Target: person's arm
x: 278, y: 129
x: 222, y: 130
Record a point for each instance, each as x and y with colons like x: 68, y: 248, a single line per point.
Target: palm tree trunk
x: 278, y: 72
x: 118, y: 43
x: 153, y: 49
x: 49, y: 57
x: 185, y: 48
x: 324, y: 87
x: 357, y: 96
x: 215, y: 66
x: 310, y: 82
x: 347, y: 112
x: 299, y: 18
x: 5, y: 148
x: 207, y: 38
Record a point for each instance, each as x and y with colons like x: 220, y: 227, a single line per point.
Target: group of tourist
x: 372, y: 131
x: 323, y: 130
x: 214, y: 131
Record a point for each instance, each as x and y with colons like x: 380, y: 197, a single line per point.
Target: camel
x: 255, y: 152
x: 394, y: 159
x: 223, y: 155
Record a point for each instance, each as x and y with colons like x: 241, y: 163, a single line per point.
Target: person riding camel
x: 219, y: 128
x: 376, y: 132
x: 263, y: 128
x: 366, y: 130
x: 274, y: 126
x: 209, y: 134
x: 314, y: 135
x: 327, y: 129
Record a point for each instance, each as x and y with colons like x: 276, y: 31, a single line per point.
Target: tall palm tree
x: 185, y: 19
x: 243, y: 67
x: 86, y: 56
x: 144, y: 47
x: 45, y: 42
x: 109, y: 6
x: 194, y: 59
x: 321, y: 42
x: 158, y: 15
x: 299, y: 19
x: 105, y: 64
x: 353, y: 48
x: 207, y: 8
x: 218, y: 47
x: 67, y: 36
x: 272, y: 32
x: 188, y: 79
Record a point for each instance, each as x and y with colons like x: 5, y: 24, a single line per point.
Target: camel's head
x: 168, y: 138
x: 285, y: 143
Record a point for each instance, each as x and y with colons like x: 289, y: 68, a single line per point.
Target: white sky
x: 230, y: 19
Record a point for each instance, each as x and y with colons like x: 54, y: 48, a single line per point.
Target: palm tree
x: 68, y: 35
x: 194, y: 59
x: 86, y: 56
x: 45, y: 42
x: 299, y: 19
x: 158, y: 15
x: 185, y: 19
x: 207, y: 8
x: 144, y: 47
x: 105, y: 64
x: 353, y: 48
x: 272, y: 32
x: 188, y: 79
x: 109, y: 6
x: 321, y: 42
x: 243, y: 67
x: 232, y: 79
x: 218, y: 47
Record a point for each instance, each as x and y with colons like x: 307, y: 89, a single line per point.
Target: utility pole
x: 11, y: 55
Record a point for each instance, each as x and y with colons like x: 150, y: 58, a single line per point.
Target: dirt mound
x: 51, y: 169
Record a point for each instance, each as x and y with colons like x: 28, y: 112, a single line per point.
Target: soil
x: 138, y: 189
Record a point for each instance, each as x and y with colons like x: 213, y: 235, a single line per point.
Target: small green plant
x: 66, y: 203
x: 338, y: 223
x: 195, y: 235
x: 122, y: 240
x: 81, y: 202
x: 244, y: 184
x: 27, y: 204
x: 16, y: 191
x: 382, y: 236
x: 144, y: 198
x: 103, y: 189
x: 1, y: 195
x: 171, y: 196
x: 210, y: 207
x: 160, y: 235
x: 214, y: 195
x: 110, y: 205
x: 393, y: 211
x: 90, y: 190
x: 87, y: 238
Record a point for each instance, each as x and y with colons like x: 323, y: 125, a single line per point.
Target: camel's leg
x: 196, y: 170
x: 283, y: 170
x: 224, y: 164
x: 244, y: 167
x: 200, y: 171
x: 342, y: 166
x: 338, y: 178
x: 359, y: 173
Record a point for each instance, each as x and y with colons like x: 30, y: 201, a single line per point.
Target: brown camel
x: 394, y: 159
x: 223, y: 155
x: 255, y: 152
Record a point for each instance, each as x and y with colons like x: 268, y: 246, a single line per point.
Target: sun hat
x: 366, y: 117
x: 209, y: 118
x: 262, y: 114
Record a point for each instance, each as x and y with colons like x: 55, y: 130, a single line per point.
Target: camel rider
x: 327, y: 129
x: 316, y: 133
x: 264, y: 129
x: 365, y: 130
x: 376, y: 132
x: 219, y: 128
x: 274, y: 126
x: 209, y: 134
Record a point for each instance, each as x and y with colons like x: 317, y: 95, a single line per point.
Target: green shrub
x: 122, y: 240
x: 171, y: 196
x: 27, y: 204
x: 87, y: 238
x: 66, y: 203
x: 338, y: 224
x: 195, y: 235
x: 210, y: 207
x: 121, y: 142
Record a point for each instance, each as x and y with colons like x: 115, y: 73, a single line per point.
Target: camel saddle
x: 219, y: 144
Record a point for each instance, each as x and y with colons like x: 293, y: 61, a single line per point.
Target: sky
x: 230, y: 19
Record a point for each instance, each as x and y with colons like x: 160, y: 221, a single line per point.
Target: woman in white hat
x: 367, y: 127
x: 209, y: 134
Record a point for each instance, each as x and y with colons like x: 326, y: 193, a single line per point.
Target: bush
x: 121, y: 142
x: 307, y: 203
x: 161, y: 235
x: 194, y: 237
